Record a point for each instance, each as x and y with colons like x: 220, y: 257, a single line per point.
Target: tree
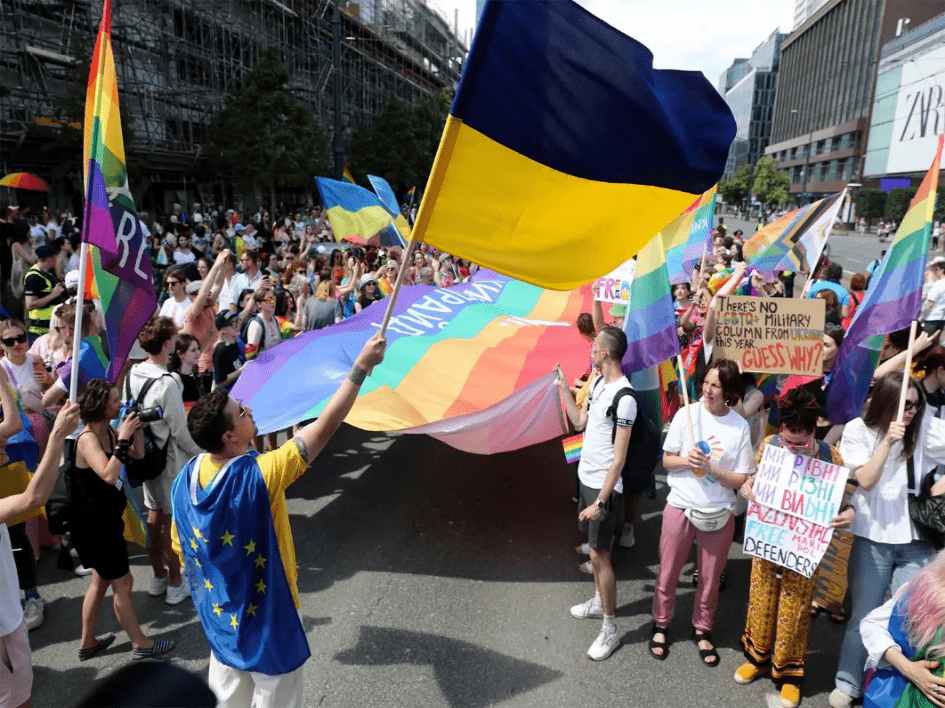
x: 870, y: 203
x: 265, y: 137
x: 735, y: 190
x: 898, y: 203
x: 771, y: 185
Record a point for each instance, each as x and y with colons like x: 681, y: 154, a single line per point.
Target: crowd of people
x: 233, y: 286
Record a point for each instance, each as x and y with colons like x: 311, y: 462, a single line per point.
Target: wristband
x: 123, y: 442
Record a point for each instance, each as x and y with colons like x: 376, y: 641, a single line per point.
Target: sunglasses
x: 796, y: 445
x: 910, y: 405
x: 171, y: 283
x: 10, y: 341
x: 269, y: 300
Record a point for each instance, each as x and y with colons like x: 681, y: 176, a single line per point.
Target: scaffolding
x: 178, y: 60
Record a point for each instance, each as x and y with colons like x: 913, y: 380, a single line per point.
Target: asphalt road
x: 431, y: 577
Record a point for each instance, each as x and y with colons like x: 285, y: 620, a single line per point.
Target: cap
x: 193, y: 287
x: 239, y: 227
x: 45, y: 251
x: 72, y: 279
x: 198, y: 218
x: 940, y: 261
x: 619, y: 309
x: 365, y: 279
x: 225, y: 318
x: 321, y: 249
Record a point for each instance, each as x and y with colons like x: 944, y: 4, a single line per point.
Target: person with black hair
x: 832, y: 282
x: 601, y: 490
x: 778, y: 621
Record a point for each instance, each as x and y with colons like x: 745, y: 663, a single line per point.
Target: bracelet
x: 357, y: 375
x: 123, y: 455
x: 123, y: 442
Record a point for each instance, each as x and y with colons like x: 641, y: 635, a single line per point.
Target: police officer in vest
x: 43, y: 291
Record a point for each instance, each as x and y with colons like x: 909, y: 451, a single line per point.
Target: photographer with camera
x: 158, y: 338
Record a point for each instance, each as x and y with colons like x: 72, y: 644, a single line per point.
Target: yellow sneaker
x: 790, y: 695
x: 748, y: 672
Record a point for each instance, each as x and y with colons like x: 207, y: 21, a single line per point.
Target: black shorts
x: 101, y: 546
x: 600, y: 533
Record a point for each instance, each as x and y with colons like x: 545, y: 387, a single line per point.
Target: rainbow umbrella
x: 24, y: 180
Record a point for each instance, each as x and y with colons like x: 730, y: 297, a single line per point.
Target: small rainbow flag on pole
x: 650, y: 324
x: 411, y: 192
x: 892, y: 302
x: 685, y: 236
x: 346, y: 176
x: 116, y: 238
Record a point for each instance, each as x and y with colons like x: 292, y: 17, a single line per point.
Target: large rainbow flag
x: 688, y: 236
x: 121, y: 260
x: 650, y: 323
x: 518, y: 145
x: 475, y: 357
x: 892, y: 302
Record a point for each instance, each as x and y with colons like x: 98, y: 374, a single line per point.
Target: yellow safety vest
x: 39, y: 318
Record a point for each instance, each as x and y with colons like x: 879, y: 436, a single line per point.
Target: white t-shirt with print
x: 597, y: 452
x: 175, y: 310
x: 730, y: 441
x: 937, y: 296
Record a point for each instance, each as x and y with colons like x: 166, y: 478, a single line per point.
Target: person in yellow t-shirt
x: 225, y: 428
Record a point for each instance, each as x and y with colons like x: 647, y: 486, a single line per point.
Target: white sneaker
x: 626, y: 536
x: 82, y: 571
x: 158, y: 586
x: 603, y: 646
x: 33, y: 613
x: 178, y: 594
x: 592, y: 609
x: 74, y: 553
x: 839, y: 699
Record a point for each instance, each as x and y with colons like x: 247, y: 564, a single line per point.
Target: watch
x: 600, y: 505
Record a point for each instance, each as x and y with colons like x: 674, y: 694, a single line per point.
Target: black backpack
x: 645, y: 448
x: 155, y: 457
x: 59, y: 505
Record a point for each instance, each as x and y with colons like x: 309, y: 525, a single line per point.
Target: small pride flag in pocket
x: 572, y: 447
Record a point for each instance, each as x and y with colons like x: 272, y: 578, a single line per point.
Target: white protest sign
x: 615, y: 286
x: 795, y: 498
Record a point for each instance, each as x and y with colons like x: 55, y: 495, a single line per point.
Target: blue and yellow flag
x: 389, y: 200
x: 562, y: 141
x: 237, y: 579
x: 354, y: 212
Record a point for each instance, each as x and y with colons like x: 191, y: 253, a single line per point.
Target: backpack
x: 155, y: 457
x: 244, y: 331
x: 644, y: 450
x: 59, y: 505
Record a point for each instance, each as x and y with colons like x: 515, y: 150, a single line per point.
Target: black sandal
x: 664, y: 645
x: 700, y: 636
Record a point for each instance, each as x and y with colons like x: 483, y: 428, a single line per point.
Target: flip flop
x: 103, y: 643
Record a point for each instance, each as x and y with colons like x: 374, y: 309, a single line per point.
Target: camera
x: 149, y: 415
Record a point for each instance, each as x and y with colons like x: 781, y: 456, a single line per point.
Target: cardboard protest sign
x: 615, y: 286
x: 774, y: 335
x: 795, y: 498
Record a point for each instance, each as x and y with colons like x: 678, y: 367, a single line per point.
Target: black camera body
x: 148, y: 415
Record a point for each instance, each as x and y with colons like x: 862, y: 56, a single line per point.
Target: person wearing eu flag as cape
x: 231, y: 530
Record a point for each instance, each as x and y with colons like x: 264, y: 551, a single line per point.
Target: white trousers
x: 248, y: 689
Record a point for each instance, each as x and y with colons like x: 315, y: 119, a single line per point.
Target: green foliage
x: 771, y: 185
x: 735, y: 190
x: 898, y: 203
x: 401, y: 142
x: 870, y: 203
x: 266, y: 137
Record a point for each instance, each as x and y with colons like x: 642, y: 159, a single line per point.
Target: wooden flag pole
x: 79, y: 307
x: 906, y: 373
x: 408, y: 254
x: 685, y: 393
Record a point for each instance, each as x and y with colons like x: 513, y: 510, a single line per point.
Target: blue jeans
x: 876, y: 571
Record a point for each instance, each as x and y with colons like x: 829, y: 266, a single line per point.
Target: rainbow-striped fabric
x: 892, y: 302
x: 650, y: 323
x: 117, y: 239
x: 686, y: 237
x: 572, y: 447
x: 450, y: 353
x: 346, y: 176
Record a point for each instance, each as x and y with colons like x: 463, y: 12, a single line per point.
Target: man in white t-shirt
x: 935, y: 300
x: 603, y: 455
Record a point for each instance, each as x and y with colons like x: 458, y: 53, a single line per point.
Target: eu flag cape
x: 234, y: 568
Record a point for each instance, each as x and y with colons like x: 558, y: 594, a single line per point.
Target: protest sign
x: 795, y: 498
x: 775, y: 335
x: 615, y: 286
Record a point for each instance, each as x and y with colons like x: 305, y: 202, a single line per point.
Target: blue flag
x: 237, y: 579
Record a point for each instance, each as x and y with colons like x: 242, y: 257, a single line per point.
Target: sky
x: 704, y: 35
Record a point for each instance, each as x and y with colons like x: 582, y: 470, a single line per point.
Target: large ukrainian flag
x: 565, y: 151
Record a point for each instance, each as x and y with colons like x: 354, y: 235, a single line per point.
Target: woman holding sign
x: 707, y: 456
x: 776, y: 629
x: 887, y: 548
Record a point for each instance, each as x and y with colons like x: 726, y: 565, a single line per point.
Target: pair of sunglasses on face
x: 10, y: 341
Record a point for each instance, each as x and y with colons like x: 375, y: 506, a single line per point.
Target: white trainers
x: 603, y: 646
x: 33, y: 612
x: 158, y: 586
x: 592, y: 609
x: 626, y: 536
x: 82, y: 571
x: 178, y: 594
x: 839, y: 699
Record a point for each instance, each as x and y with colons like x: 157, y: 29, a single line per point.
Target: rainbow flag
x: 121, y: 260
x: 354, y: 212
x: 411, y: 192
x: 498, y: 338
x: 796, y: 238
x: 650, y: 323
x: 572, y: 447
x: 346, y: 176
x: 686, y: 237
x: 892, y: 302
x: 518, y: 139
